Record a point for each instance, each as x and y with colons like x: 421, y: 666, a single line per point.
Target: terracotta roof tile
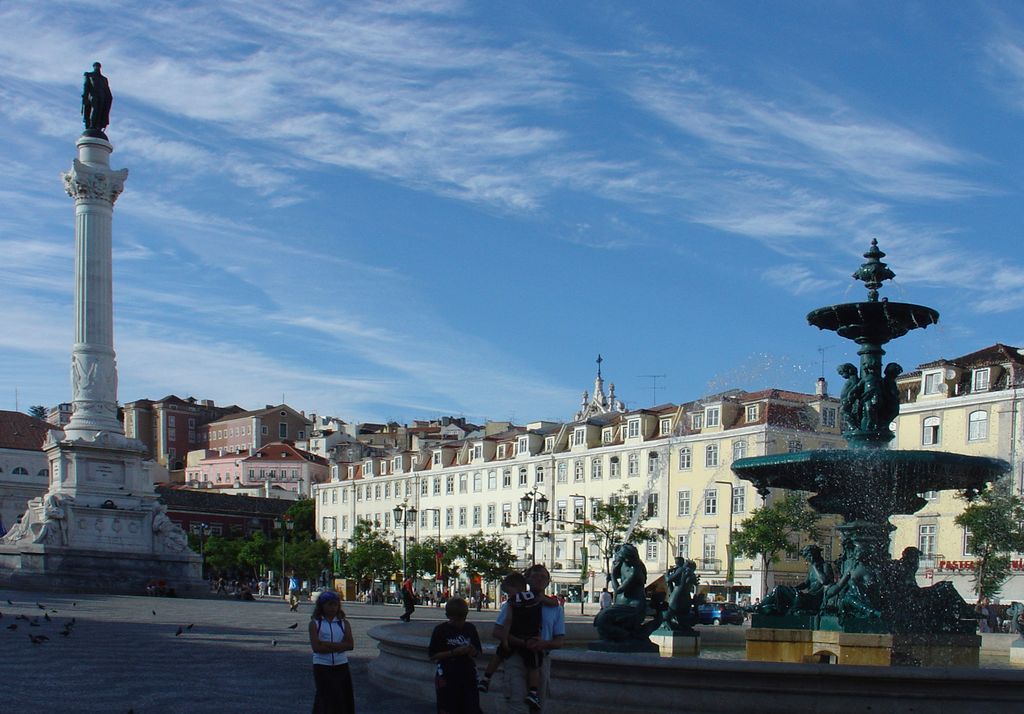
x: 20, y: 431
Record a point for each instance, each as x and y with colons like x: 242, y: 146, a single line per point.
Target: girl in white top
x: 330, y: 637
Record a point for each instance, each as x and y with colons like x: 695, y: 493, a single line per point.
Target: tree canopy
x: 371, y: 557
x: 489, y: 556
x: 610, y: 522
x: 995, y: 529
x: 769, y: 530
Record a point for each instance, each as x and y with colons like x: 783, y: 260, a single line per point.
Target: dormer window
x: 523, y: 445
x: 633, y: 428
x: 713, y: 416
x: 478, y: 451
x: 697, y: 421
x: 666, y: 427
x: 397, y: 464
x: 579, y: 436
x: 753, y: 413
x: 383, y: 468
x: 368, y: 468
x: 437, y: 458
x: 933, y: 383
x: 980, y: 380
x: 501, y: 450
x: 549, y: 444
x: 606, y: 436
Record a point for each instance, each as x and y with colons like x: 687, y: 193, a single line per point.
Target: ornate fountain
x: 867, y: 600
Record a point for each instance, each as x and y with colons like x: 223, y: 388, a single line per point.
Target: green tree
x: 371, y: 556
x: 768, y: 530
x: 308, y: 557
x: 38, y: 411
x: 222, y: 553
x: 256, y: 553
x: 303, y: 515
x: 995, y: 529
x: 420, y: 557
x: 610, y: 523
x: 489, y: 556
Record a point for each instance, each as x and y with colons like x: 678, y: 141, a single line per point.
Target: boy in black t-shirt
x: 454, y: 645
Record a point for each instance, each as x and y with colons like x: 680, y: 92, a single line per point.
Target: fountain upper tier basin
x: 869, y: 484
x: 874, y: 322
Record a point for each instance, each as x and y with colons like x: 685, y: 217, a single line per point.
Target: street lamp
x: 204, y: 528
x: 284, y: 523
x: 585, y: 561
x: 404, y: 515
x: 730, y: 570
x: 534, y: 504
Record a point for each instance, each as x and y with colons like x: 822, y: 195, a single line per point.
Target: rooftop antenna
x: 821, y: 351
x: 654, y: 385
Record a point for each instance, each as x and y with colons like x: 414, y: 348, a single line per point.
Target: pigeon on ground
x: 292, y: 627
x: 180, y: 630
x: 46, y: 617
x: 65, y: 632
x: 12, y: 627
x: 21, y: 617
x: 38, y: 639
x: 33, y: 624
x: 154, y: 612
x: 273, y: 643
x: 74, y: 604
x: 41, y: 607
x: 9, y: 602
x: 189, y: 627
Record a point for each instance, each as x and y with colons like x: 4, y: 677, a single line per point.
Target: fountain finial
x: 874, y: 271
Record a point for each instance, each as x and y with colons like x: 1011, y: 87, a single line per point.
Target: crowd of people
x: 529, y: 625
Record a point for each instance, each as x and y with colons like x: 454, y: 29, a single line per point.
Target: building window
x: 652, y: 462
x: 492, y: 480
x: 524, y: 478
x: 697, y: 421
x: 334, y: 495
x: 501, y: 451
x: 633, y: 428
x: 713, y: 416
x: 595, y: 469
x: 282, y: 430
x: 710, y: 548
x: 739, y: 499
x: 606, y: 436
x: 506, y: 478
x: 478, y: 451
x: 926, y: 539
x: 549, y: 444
x: 930, y: 431
x: 436, y: 458
x: 683, y: 503
x: 491, y: 511
x: 560, y: 511
x: 523, y: 446
x: 449, y: 517
x: 539, y: 474
x: 437, y: 485
x: 577, y: 470
x: 753, y: 413
x: 478, y: 482
x: 652, y: 505
x: 563, y: 472
x: 685, y: 458
x: 506, y: 514
x: 683, y: 545
x: 263, y: 430
x: 652, y: 550
x: 794, y: 446
x: 376, y: 492
x: 711, y: 455
x: 739, y: 450
x: 613, y: 467
x: 933, y: 383
x: 476, y: 516
x: 449, y: 484
x: 711, y: 502
x: 828, y: 416
x: 437, y: 517
x: 967, y: 544
x: 579, y: 436
x: 977, y: 426
x: 387, y: 490
x: 463, y: 483
x: 666, y: 427
x: 634, y: 465
x: 980, y: 380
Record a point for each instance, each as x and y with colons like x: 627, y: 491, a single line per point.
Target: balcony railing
x: 709, y: 564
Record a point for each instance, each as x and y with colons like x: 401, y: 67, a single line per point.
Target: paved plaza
x: 122, y: 657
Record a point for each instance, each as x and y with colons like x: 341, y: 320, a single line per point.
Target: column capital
x: 85, y: 182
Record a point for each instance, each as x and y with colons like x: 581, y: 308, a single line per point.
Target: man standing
x: 96, y: 101
x: 294, y: 589
x: 606, y: 598
x: 552, y: 631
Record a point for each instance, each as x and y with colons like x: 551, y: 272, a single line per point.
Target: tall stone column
x: 95, y: 187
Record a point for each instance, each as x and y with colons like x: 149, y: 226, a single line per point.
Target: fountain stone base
x: 879, y: 649
x: 676, y: 644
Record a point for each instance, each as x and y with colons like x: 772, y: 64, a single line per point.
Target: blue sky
x: 405, y: 209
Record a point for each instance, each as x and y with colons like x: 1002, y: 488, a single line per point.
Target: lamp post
x: 585, y: 560
x: 535, y: 505
x: 729, y: 572
x: 284, y: 523
x: 204, y: 528
x: 405, y: 515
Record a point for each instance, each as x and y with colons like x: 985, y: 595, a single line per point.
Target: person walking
x: 408, y: 600
x: 294, y: 588
x: 605, y: 599
x: 330, y: 637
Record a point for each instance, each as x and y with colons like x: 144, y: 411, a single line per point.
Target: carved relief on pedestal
x: 84, y: 181
x: 93, y: 377
x: 44, y: 522
x: 168, y: 536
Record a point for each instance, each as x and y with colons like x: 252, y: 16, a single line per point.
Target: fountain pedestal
x: 676, y: 644
x: 880, y: 649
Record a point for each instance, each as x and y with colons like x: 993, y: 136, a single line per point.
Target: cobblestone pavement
x: 122, y: 657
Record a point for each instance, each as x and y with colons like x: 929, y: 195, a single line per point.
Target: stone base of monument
x: 57, y: 569
x: 677, y: 644
x: 930, y: 650
x: 1017, y: 651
